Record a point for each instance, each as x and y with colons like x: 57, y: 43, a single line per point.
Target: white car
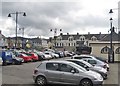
x: 1, y: 61
x: 46, y: 56
x: 92, y: 60
x: 52, y: 54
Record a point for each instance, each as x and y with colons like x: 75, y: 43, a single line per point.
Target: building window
x: 93, y: 38
x: 82, y: 38
x: 59, y: 38
x: 105, y: 50
x: 74, y: 44
x: 62, y: 44
x: 57, y: 44
x: 69, y: 44
x: 70, y: 38
x: 117, y: 51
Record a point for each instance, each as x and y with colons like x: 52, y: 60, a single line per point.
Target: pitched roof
x: 100, y: 37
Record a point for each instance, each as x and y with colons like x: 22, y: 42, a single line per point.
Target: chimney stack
x: 77, y: 33
x: 67, y: 33
x: 88, y: 33
x: 61, y: 34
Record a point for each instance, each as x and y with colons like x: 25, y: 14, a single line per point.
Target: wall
x: 96, y: 50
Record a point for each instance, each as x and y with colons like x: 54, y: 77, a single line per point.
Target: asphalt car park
x: 21, y: 75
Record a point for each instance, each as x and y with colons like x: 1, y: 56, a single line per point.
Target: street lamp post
x: 16, y: 13
x: 111, y: 52
x: 55, y: 34
x: 22, y: 36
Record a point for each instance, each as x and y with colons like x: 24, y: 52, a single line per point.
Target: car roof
x: 75, y: 60
x: 56, y: 61
x: 83, y: 55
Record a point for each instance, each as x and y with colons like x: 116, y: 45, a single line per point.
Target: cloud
x: 72, y: 17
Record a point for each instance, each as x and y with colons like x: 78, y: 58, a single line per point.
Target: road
x: 22, y: 74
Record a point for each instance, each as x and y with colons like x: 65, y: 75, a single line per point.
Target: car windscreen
x: 24, y: 55
x: 81, y: 68
x: 88, y: 64
x: 101, y: 58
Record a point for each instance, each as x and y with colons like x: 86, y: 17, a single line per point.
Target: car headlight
x: 95, y: 78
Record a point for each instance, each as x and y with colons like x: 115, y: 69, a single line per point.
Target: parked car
x: 93, y: 60
x: 52, y: 54
x: 25, y: 57
x: 17, y: 60
x: 60, y: 53
x: 67, y: 53
x: 32, y: 55
x: 1, y: 61
x: 87, y: 65
x: 46, y: 56
x: 6, y: 57
x: 40, y: 55
x: 65, y: 72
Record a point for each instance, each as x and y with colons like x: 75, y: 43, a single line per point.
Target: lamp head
x: 50, y: 29
x: 9, y: 15
x: 60, y: 29
x: 24, y: 14
x: 111, y: 11
x: 111, y: 19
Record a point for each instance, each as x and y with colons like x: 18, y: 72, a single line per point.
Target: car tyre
x: 86, y: 82
x: 13, y: 63
x: 41, y: 81
x: 4, y: 64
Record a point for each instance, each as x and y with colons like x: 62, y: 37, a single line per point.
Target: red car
x: 25, y: 57
x: 33, y: 56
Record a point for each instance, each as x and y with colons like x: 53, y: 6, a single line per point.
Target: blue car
x: 6, y: 57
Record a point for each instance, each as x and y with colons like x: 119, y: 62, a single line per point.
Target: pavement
x: 19, y: 75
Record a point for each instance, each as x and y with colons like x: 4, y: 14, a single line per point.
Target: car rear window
x: 77, y: 57
x: 39, y: 65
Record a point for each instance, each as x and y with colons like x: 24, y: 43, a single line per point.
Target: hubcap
x: 41, y: 81
x: 86, y: 83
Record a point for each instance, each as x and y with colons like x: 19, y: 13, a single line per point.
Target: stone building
x: 2, y: 40
x: 100, y: 43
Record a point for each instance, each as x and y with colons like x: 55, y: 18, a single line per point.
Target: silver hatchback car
x: 65, y: 72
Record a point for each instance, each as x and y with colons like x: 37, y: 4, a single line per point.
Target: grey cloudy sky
x: 80, y: 16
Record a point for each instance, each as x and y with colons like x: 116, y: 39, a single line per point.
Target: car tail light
x: 35, y: 71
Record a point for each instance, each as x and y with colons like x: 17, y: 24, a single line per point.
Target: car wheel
x: 41, y: 81
x: 13, y: 62
x: 86, y: 82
